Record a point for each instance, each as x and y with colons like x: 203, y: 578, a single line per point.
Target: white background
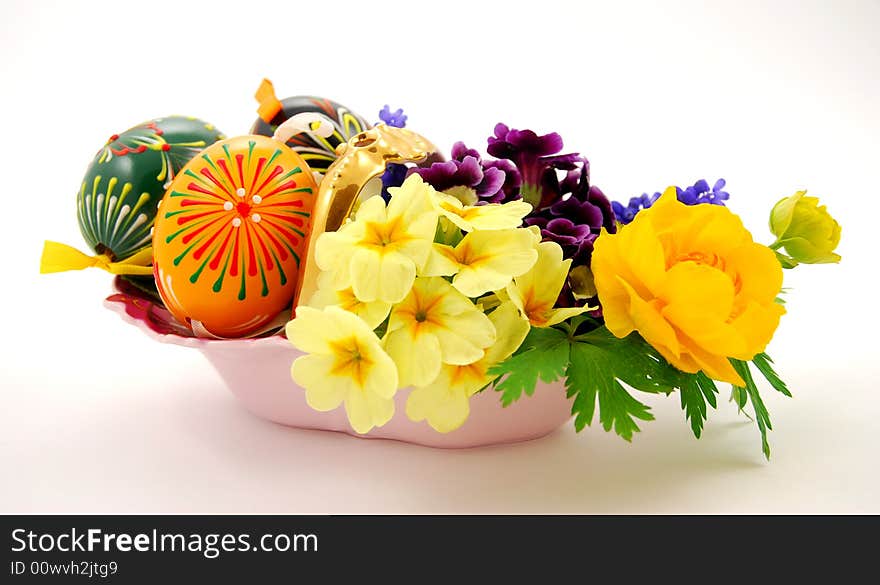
x: 773, y: 96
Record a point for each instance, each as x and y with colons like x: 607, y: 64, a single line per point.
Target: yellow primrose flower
x: 445, y: 403
x: 379, y: 252
x: 484, y: 261
x: 493, y: 216
x: 535, y: 292
x: 693, y: 283
x: 345, y: 363
x: 435, y: 324
x: 372, y: 313
x: 805, y: 229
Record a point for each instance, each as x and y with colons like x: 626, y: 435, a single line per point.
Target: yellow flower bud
x: 805, y: 229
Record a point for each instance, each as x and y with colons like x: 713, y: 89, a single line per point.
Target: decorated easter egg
x: 230, y: 234
x: 318, y: 152
x: 122, y: 187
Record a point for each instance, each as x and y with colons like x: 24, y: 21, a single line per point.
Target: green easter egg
x: 122, y: 187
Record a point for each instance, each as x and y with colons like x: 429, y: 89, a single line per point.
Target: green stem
x: 531, y: 194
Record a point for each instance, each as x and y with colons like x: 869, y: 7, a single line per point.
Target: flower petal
x: 383, y: 277
x: 411, y: 199
x: 323, y: 392
x: 648, y: 320
x: 415, y: 354
x: 382, y: 378
x: 464, y: 337
x: 333, y: 254
x: 441, y: 261
x: 756, y: 324
x: 510, y: 331
x: 445, y: 407
x: 546, y: 277
x: 698, y: 289
x: 760, y: 278
x: 371, y: 210
x: 366, y: 411
x: 555, y: 316
x: 310, y: 331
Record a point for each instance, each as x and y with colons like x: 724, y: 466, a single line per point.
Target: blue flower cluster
x: 396, y: 119
x: 696, y: 194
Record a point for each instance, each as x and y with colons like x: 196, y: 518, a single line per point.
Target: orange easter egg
x: 230, y: 234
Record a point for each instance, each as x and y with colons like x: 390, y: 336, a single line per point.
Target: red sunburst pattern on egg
x: 238, y: 216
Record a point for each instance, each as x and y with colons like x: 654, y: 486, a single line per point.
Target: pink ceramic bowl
x: 257, y: 372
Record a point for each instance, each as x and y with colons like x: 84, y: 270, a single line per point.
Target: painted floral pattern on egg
x: 317, y: 151
x: 230, y: 235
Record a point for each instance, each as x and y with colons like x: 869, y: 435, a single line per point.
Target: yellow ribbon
x: 61, y: 257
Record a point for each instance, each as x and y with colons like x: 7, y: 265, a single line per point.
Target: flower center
x: 350, y: 360
x: 465, y: 255
x: 383, y: 235
x: 715, y: 261
x: 421, y: 315
x: 475, y: 372
x: 535, y: 309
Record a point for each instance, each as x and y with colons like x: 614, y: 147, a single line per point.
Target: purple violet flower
x: 566, y: 208
x: 483, y: 181
x: 576, y: 219
x: 536, y: 159
x: 512, y: 181
x: 562, y: 230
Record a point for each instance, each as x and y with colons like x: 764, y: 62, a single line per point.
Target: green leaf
x: 574, y: 323
x: 786, y: 261
x: 593, y: 374
x: 761, y: 415
x: 635, y: 362
x: 763, y: 362
x: 580, y: 383
x: 543, y: 354
x: 739, y: 396
x: 695, y: 391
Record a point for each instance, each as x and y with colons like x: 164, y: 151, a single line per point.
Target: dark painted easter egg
x: 317, y: 151
x: 122, y: 187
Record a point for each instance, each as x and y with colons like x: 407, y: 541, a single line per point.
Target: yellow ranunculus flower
x: 435, y: 324
x: 445, y: 403
x: 378, y: 253
x: 805, y: 229
x: 372, y: 313
x: 535, y: 292
x: 693, y: 283
x: 345, y: 363
x: 484, y: 261
x: 492, y: 216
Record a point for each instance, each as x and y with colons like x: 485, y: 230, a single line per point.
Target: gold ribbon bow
x: 61, y: 257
